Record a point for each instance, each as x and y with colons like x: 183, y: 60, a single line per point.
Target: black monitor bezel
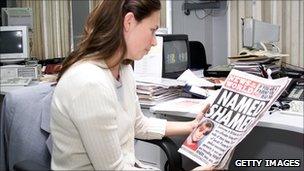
x: 174, y: 37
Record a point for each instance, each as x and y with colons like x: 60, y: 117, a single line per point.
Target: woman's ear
x: 129, y: 20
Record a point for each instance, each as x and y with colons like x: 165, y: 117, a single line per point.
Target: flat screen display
x: 11, y: 42
x: 175, y: 56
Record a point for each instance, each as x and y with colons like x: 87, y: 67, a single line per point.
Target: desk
x: 5, y: 89
x: 43, y: 78
x: 281, y: 121
x: 275, y: 120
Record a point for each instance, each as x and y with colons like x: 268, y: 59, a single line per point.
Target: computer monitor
x: 14, y: 44
x: 256, y: 33
x: 17, y: 17
x: 176, y: 55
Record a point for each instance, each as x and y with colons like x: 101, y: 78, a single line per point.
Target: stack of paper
x: 257, y: 66
x: 153, y: 91
x: 180, y: 106
x: 190, y: 78
x: 184, y: 106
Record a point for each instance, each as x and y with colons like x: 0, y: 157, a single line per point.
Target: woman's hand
x: 199, y: 116
x: 203, y: 112
x: 185, y: 128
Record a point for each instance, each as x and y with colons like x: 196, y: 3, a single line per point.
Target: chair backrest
x: 24, y: 124
x: 197, y: 55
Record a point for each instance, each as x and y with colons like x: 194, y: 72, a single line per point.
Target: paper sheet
x: 151, y: 64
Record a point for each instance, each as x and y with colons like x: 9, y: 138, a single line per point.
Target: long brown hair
x: 103, y: 31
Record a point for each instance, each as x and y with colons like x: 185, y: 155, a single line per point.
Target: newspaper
x: 241, y: 102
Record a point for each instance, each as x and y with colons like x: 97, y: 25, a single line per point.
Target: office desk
x: 275, y: 120
x: 5, y: 89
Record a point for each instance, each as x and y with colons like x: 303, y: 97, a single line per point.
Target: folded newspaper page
x: 241, y: 102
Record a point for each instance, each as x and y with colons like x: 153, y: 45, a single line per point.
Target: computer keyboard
x: 17, y: 81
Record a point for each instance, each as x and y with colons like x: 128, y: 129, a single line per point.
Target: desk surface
x: 283, y: 121
x: 5, y: 89
x: 275, y: 120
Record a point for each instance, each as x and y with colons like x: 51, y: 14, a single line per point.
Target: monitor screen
x: 175, y: 55
x: 13, y: 41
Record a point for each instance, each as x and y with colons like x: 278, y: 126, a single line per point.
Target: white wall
x: 220, y: 39
x: 211, y: 31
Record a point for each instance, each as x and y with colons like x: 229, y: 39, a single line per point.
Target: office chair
x: 198, y: 56
x: 25, y: 132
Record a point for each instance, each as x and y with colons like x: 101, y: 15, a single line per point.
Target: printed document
x: 241, y: 102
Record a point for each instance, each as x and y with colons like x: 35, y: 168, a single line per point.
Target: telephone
x: 294, y: 91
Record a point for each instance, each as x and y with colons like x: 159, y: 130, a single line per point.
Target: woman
x: 95, y: 109
x: 203, y: 129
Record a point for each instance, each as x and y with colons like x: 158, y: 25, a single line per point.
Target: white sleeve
x: 94, y: 115
x: 148, y: 128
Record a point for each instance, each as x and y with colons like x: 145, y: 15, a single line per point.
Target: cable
x: 219, y: 11
x: 201, y: 18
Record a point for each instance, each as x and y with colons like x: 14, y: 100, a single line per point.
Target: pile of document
x: 260, y: 66
x: 180, y: 106
x: 154, y: 91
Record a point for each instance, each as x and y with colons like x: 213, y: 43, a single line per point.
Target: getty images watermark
x: 268, y: 163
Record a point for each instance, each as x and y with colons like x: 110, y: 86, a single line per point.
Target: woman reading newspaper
x: 95, y: 110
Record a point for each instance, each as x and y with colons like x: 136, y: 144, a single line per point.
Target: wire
x: 219, y: 11
x: 201, y: 18
x: 213, y: 12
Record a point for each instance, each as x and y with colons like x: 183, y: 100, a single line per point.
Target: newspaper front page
x: 241, y: 102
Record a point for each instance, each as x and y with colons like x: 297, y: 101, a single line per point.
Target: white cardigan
x: 90, y: 128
